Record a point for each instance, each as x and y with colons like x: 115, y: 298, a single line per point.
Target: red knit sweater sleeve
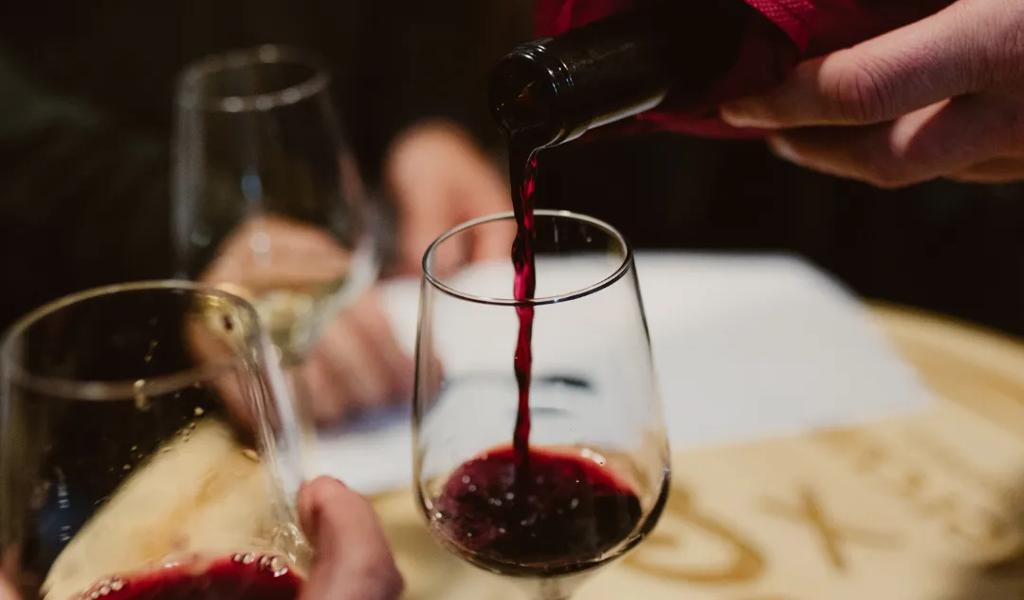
x: 782, y: 33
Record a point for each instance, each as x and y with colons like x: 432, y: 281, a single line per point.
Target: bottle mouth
x: 525, y: 91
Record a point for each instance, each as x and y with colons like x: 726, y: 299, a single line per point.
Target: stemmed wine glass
x: 147, y: 450
x: 596, y: 476
x: 268, y: 201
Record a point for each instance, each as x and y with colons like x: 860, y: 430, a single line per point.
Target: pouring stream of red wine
x: 523, y: 173
x: 524, y: 119
x: 525, y: 511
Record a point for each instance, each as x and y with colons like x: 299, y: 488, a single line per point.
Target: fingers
x: 273, y: 252
x: 323, y: 399
x: 353, y: 561
x: 947, y: 137
x: 370, y: 320
x: 356, y: 364
x: 357, y: 377
x: 998, y: 170
x: 440, y: 179
x: 957, y: 51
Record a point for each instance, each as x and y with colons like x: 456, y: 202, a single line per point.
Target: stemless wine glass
x: 147, y: 450
x: 597, y: 473
x: 267, y: 196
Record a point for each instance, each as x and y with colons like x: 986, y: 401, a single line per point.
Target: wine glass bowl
x: 596, y: 476
x: 146, y: 443
x: 267, y: 195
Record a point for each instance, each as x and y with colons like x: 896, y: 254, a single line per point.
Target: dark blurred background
x: 85, y: 117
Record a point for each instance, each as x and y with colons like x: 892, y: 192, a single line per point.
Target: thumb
x: 959, y: 50
x: 353, y: 561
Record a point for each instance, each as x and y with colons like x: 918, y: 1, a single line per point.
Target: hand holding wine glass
x: 355, y: 363
x: 269, y: 204
x: 148, y: 449
x: 334, y: 517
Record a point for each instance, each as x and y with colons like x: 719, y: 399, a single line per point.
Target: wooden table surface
x: 924, y: 507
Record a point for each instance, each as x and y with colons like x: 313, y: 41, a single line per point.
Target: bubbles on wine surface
x: 142, y: 402
x: 150, y: 351
x: 242, y: 576
x: 102, y: 588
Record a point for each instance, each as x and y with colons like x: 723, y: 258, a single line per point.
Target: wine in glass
x: 147, y: 450
x: 548, y: 486
x: 267, y: 196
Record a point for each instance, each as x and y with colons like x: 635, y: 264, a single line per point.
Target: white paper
x: 746, y: 346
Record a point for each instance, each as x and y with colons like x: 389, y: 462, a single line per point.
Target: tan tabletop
x: 924, y: 507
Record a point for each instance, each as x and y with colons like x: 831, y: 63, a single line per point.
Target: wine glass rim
x: 264, y: 54
x: 615, y: 275
x: 84, y: 389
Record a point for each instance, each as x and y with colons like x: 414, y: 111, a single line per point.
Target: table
x: 924, y: 507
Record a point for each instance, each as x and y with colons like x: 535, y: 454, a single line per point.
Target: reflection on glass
x: 146, y: 447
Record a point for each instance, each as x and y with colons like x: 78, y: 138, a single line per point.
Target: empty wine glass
x: 147, y: 450
x: 268, y: 200
x: 596, y: 476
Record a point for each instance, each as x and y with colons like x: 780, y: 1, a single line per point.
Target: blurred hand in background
x: 438, y: 178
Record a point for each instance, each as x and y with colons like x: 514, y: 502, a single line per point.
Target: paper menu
x: 746, y: 346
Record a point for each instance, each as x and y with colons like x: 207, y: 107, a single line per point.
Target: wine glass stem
x: 554, y: 589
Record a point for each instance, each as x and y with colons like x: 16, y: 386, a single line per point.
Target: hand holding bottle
x: 942, y: 97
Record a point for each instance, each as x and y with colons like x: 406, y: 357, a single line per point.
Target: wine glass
x: 147, y: 450
x: 596, y: 475
x: 268, y: 201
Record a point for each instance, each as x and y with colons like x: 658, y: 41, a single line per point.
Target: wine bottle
x: 552, y: 90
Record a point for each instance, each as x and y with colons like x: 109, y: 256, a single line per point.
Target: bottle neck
x: 553, y: 90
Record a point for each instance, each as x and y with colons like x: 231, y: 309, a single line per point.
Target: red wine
x: 564, y: 518
x: 519, y: 102
x: 523, y: 288
x: 519, y: 510
x: 241, y: 577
